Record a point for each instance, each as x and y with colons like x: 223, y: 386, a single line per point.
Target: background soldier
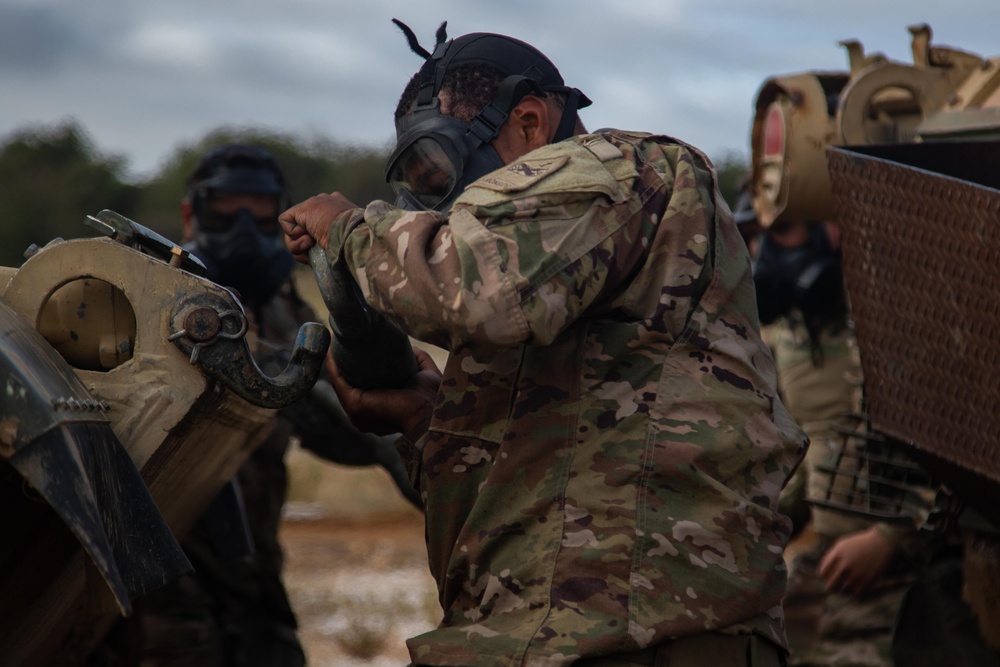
x: 846, y: 585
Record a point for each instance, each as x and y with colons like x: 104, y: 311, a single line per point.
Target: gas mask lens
x: 221, y: 211
x: 425, y: 171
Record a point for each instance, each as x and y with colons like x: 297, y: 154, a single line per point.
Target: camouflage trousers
x: 820, y: 396
x: 834, y: 630
x: 708, y: 649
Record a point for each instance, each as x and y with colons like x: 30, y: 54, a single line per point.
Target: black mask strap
x: 432, y: 73
x: 568, y: 122
x: 487, y: 122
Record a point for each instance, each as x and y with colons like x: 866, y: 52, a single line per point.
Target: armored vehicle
x: 906, y: 159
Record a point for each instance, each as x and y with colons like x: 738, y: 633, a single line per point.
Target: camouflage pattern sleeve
x: 500, y: 271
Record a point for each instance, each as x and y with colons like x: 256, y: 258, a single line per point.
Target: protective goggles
x: 263, y: 210
x: 436, y: 157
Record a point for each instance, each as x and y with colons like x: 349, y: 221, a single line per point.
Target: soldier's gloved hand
x: 385, y: 411
x: 308, y: 223
x: 855, y: 562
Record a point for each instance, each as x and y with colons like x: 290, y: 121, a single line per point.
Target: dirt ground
x: 356, y: 566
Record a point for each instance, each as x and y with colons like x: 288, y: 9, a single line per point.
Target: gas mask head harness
x: 437, y: 156
x: 241, y: 248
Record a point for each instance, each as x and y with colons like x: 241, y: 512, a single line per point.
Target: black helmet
x: 238, y: 168
x: 510, y: 56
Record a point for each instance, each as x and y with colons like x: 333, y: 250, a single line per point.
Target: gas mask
x: 807, y: 278
x: 244, y: 247
x: 241, y: 255
x: 437, y: 156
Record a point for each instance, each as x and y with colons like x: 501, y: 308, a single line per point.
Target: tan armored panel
x: 89, y: 295
x: 792, y: 127
x: 106, y: 308
x: 886, y: 103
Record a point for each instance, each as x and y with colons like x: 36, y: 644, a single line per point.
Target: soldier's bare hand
x: 308, y: 223
x: 855, y: 562
x: 385, y: 411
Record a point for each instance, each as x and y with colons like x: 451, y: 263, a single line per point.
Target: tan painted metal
x: 791, y: 181
x: 90, y: 323
x: 887, y: 102
x: 107, y: 308
x: 152, y: 391
x: 946, y: 92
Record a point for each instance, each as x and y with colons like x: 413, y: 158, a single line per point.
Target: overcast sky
x: 142, y: 77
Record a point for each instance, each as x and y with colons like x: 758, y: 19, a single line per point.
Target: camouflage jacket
x: 602, y: 467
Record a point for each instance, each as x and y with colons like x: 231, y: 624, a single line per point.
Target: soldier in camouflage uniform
x: 601, y: 458
x: 844, y: 590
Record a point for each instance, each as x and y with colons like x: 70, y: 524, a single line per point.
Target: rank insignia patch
x: 522, y: 174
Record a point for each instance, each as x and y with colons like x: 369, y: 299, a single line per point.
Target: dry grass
x: 322, y: 489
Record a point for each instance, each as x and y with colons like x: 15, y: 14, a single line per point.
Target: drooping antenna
x: 441, y: 36
x: 442, y: 33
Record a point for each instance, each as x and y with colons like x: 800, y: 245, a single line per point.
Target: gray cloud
x: 144, y: 77
x: 36, y: 40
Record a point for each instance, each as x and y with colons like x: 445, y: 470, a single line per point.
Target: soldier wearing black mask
x: 231, y: 212
x: 843, y: 589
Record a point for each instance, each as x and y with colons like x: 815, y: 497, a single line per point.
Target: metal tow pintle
x: 213, y: 332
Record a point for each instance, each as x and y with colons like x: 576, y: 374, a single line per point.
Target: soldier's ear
x: 533, y: 121
x: 527, y: 127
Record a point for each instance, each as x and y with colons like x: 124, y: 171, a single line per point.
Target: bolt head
x: 202, y: 324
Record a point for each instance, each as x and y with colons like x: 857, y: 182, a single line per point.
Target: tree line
x: 52, y: 177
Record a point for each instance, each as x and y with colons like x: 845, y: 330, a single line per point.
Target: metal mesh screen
x: 922, y: 265
x: 870, y: 475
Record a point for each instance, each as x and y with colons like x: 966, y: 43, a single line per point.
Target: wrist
x: 340, y: 228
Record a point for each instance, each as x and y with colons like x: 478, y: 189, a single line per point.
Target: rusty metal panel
x: 922, y: 264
